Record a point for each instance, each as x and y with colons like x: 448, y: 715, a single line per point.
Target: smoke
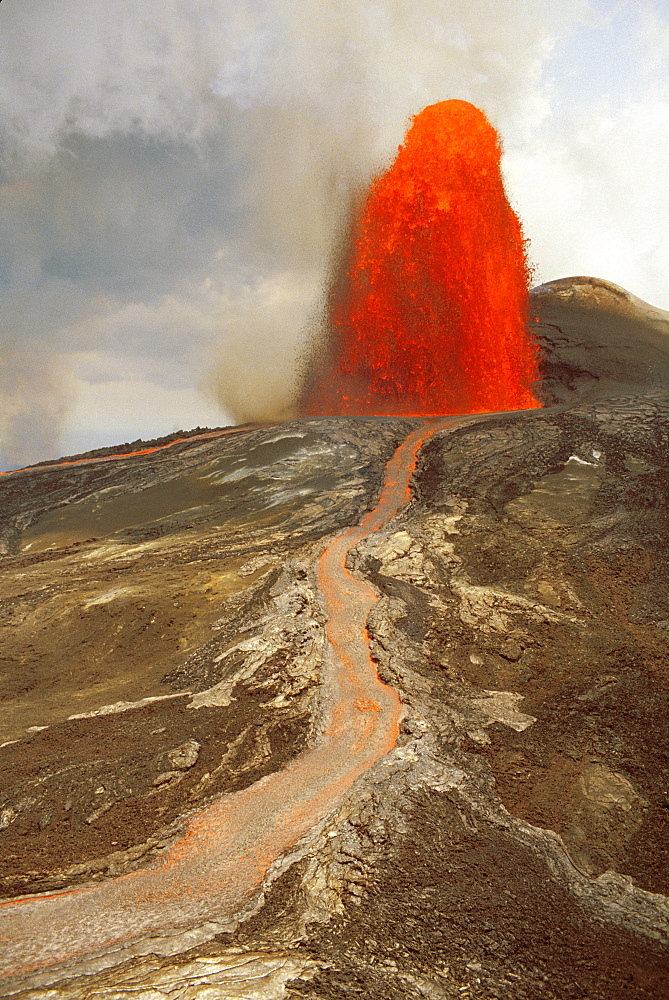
x: 33, y: 400
x: 318, y: 101
x: 175, y: 176
x: 171, y: 71
x: 90, y: 69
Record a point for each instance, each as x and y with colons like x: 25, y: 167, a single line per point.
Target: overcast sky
x: 174, y: 174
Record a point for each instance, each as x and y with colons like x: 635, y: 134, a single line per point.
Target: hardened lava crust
x: 164, y: 643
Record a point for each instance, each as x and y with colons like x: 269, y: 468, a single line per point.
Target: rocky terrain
x: 163, y: 647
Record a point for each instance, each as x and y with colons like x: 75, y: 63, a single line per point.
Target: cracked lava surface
x: 216, y: 867
x: 513, y: 841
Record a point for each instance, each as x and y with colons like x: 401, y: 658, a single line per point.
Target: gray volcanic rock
x: 163, y: 637
x: 136, y: 591
x: 597, y: 339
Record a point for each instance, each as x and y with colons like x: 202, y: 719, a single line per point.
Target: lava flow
x: 117, y: 456
x: 431, y: 313
x: 217, y: 867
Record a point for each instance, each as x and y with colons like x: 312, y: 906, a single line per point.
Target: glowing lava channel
x: 430, y: 314
x: 117, y: 456
x: 218, y: 866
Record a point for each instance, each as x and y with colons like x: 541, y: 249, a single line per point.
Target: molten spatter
x: 430, y: 314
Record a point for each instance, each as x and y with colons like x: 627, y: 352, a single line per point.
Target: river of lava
x: 430, y: 312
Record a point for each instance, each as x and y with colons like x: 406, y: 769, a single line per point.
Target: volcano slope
x: 164, y: 649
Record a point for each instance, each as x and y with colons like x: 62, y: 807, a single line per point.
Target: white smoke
x: 179, y: 172
x: 33, y: 401
x: 169, y: 70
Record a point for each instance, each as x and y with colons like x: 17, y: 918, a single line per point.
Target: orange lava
x: 431, y: 314
x: 218, y: 866
x: 205, y: 436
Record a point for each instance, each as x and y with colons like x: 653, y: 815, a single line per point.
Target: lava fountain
x: 430, y: 312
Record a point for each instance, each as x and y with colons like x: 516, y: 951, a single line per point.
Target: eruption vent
x: 430, y: 314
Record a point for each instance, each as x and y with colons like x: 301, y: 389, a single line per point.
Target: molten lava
x: 213, y: 870
x: 430, y: 314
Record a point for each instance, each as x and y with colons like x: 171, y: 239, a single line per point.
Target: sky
x: 175, y: 177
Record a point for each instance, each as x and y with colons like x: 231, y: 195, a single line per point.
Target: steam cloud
x: 32, y: 404
x: 175, y: 176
